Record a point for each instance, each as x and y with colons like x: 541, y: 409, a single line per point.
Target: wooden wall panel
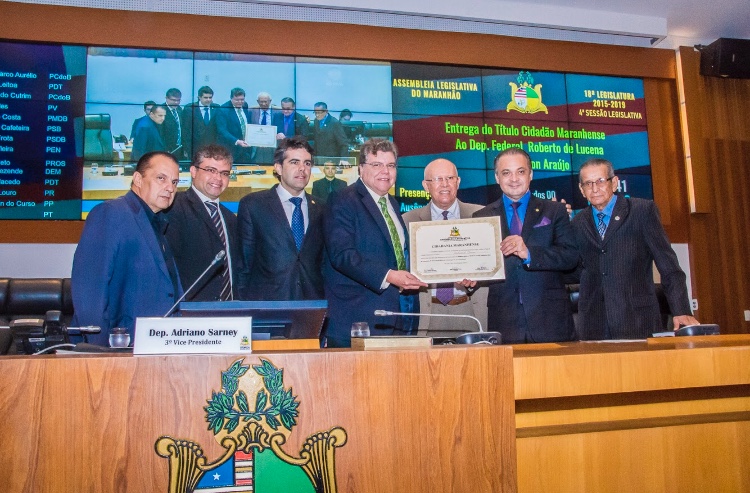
x: 718, y: 113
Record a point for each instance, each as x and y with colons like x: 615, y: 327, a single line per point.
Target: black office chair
x: 97, y: 137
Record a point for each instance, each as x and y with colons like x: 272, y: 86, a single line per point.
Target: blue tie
x: 601, y: 227
x: 206, y: 117
x: 298, y: 222
x: 263, y: 120
x: 515, y: 222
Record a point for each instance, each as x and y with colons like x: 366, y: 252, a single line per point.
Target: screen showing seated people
x: 74, y: 121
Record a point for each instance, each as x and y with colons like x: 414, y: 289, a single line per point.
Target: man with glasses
x: 292, y: 123
x: 231, y: 126
x: 620, y: 239
x: 531, y: 304
x: 281, y: 231
x: 366, y: 239
x: 441, y: 181
x: 200, y: 227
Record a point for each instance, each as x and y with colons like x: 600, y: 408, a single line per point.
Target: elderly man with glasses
x: 365, y: 268
x: 441, y: 181
x: 620, y: 239
x: 200, y: 227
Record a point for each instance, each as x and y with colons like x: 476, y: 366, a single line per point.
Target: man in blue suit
x: 148, y: 136
x: 123, y: 267
x: 231, y: 120
x: 365, y: 237
x: 538, y: 244
x: 281, y: 232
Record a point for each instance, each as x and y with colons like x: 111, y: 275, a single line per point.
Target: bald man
x: 441, y: 181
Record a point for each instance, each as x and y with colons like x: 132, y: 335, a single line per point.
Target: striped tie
x: 226, y: 284
x: 444, y: 293
x: 397, y: 248
x: 601, y: 227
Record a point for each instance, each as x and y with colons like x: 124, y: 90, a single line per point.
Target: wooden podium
x: 663, y: 415
x: 433, y: 420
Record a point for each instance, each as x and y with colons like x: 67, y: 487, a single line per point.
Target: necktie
x: 176, y: 116
x: 444, y: 293
x: 226, y: 284
x: 242, y: 122
x: 298, y: 222
x: 515, y: 223
x: 397, y: 248
x: 263, y: 120
x: 206, y: 116
x: 600, y: 226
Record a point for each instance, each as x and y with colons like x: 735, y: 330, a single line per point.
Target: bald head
x: 441, y: 182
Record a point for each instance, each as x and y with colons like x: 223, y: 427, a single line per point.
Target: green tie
x: 400, y: 262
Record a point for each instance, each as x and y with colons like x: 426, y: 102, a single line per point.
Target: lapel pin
x: 617, y: 218
x: 536, y: 210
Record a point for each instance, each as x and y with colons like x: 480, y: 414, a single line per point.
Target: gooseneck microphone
x: 480, y: 337
x: 218, y: 258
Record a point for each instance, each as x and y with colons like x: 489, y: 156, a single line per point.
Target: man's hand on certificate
x: 514, y: 245
x: 467, y: 284
x: 404, y: 280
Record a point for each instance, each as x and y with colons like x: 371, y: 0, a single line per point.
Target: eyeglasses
x: 440, y: 180
x: 388, y: 166
x: 588, y: 185
x: 214, y: 171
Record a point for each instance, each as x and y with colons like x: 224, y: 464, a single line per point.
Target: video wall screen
x: 74, y: 120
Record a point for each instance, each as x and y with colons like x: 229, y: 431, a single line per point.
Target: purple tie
x: 515, y: 223
x: 444, y: 294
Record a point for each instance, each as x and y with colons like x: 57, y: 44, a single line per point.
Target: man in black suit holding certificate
x: 532, y: 304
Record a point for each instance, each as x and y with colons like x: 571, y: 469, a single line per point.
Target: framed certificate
x: 450, y: 251
x: 260, y: 135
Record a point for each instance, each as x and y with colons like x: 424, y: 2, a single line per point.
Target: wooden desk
x: 435, y: 420
x: 667, y: 415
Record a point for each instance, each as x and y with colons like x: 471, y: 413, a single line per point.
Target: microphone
x: 480, y: 337
x: 218, y: 258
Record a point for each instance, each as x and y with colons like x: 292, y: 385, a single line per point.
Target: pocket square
x: 544, y: 222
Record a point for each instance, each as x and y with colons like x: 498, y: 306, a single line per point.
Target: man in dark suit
x: 532, y: 304
x: 328, y: 184
x: 281, y: 232
x: 146, y: 110
x: 291, y: 123
x: 123, y: 267
x: 265, y: 115
x: 365, y: 267
x: 231, y: 120
x: 328, y: 134
x: 199, y: 121
x: 148, y: 136
x: 441, y: 181
x: 172, y: 130
x: 200, y: 227
x: 620, y: 239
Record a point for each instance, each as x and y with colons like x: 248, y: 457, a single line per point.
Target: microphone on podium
x: 218, y: 258
x: 480, y: 337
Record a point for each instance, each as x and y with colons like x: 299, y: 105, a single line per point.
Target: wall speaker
x: 726, y: 57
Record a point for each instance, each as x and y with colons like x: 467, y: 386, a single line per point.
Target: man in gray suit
x: 441, y: 181
x: 620, y: 239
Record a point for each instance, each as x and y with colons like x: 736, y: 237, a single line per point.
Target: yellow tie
x: 400, y: 261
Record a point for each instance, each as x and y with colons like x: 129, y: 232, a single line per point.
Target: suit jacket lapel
x: 147, y: 233
x: 374, y: 210
x: 590, y: 227
x: 199, y: 210
x: 619, y: 214
x: 279, y: 216
x: 533, y: 211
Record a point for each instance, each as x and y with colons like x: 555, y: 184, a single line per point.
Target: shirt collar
x: 523, y: 200
x: 608, y: 208
x: 203, y: 197
x: 437, y: 213
x: 374, y: 194
x: 284, y: 194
